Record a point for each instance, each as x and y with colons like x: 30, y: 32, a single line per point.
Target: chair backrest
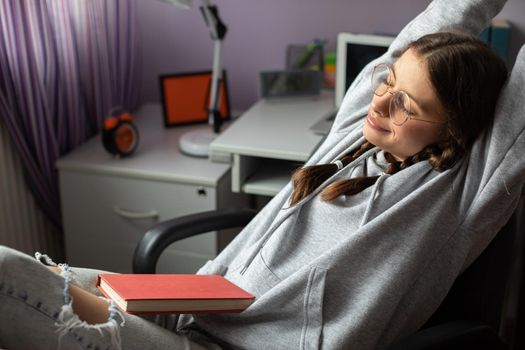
x: 478, y: 294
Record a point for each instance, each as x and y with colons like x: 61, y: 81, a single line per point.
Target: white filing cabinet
x: 108, y: 203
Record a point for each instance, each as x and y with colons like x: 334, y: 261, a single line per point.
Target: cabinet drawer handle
x: 135, y: 215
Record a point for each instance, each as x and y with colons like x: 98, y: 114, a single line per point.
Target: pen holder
x: 304, y: 57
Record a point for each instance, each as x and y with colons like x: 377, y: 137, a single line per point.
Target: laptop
x: 354, y: 52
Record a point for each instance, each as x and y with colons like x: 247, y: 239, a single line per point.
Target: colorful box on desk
x: 497, y: 35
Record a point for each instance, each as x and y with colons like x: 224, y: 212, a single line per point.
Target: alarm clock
x: 120, y: 137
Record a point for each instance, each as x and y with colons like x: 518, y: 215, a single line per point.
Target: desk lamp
x: 197, y: 143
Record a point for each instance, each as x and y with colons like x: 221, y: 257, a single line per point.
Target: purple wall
x: 176, y: 40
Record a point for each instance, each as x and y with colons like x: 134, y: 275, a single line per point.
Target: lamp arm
x: 218, y: 32
x: 210, y: 13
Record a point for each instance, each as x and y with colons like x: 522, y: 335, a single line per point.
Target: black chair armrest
x: 454, y: 335
x: 156, y: 239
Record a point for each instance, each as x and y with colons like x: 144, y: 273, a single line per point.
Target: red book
x: 173, y: 293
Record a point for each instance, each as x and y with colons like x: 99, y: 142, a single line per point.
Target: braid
x: 348, y: 187
x: 445, y: 155
x: 352, y: 186
x: 306, y: 179
x: 393, y: 164
x: 441, y: 157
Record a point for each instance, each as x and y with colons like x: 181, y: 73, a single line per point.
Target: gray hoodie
x: 361, y: 271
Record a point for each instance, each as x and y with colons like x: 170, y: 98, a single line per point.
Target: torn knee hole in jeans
x: 67, y: 321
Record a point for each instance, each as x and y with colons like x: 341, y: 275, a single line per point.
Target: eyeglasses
x: 399, y: 109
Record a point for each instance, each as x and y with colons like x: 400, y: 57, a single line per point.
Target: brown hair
x: 467, y: 77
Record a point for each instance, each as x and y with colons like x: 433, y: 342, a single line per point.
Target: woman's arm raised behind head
x: 470, y: 16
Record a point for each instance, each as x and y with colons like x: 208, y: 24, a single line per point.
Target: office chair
x: 468, y: 318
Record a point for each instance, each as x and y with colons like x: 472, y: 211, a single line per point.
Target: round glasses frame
x: 400, y: 103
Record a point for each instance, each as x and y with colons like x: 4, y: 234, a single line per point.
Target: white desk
x: 268, y: 141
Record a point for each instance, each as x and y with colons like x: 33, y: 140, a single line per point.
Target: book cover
x: 485, y: 35
x: 173, y: 293
x: 499, y: 37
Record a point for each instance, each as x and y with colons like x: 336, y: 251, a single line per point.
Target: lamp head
x: 180, y: 3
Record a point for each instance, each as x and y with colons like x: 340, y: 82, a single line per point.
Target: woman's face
x: 410, y: 74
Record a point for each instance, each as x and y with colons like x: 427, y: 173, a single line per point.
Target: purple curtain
x: 63, y: 65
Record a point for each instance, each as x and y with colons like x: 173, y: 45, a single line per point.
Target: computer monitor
x: 354, y: 52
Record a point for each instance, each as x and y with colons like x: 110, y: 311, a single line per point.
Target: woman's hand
x: 89, y: 307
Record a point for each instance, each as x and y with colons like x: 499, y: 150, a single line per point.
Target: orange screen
x: 186, y: 98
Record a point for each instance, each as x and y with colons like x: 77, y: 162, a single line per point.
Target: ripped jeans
x: 36, y: 312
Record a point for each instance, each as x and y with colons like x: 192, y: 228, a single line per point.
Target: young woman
x: 364, y: 244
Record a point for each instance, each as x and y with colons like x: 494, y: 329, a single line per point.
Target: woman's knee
x: 6, y: 251
x: 11, y: 259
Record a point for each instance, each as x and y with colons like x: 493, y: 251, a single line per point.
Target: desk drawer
x: 105, y: 216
